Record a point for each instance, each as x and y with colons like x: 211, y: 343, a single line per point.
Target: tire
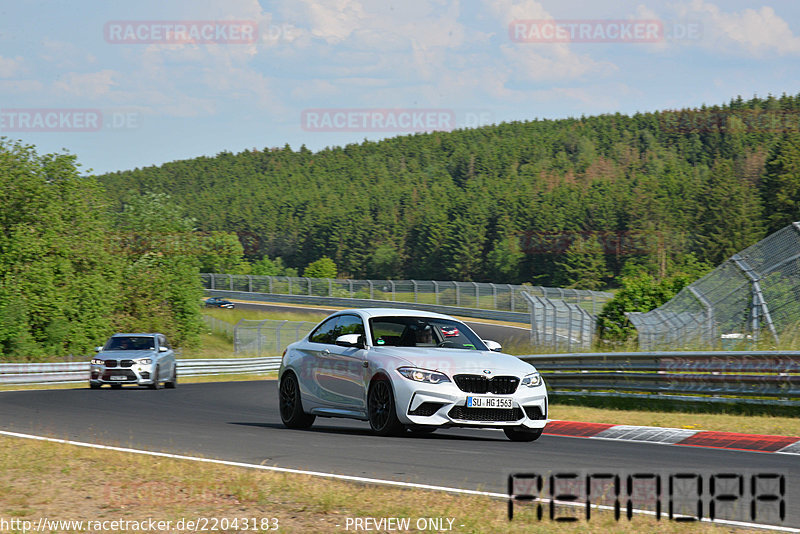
x: 173, y: 381
x: 515, y: 434
x: 156, y: 384
x: 290, y: 404
x: 94, y: 385
x: 381, y: 408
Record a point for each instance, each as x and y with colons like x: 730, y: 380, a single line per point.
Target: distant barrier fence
x: 478, y: 295
x: 764, y: 377
x: 218, y: 326
x: 268, y: 336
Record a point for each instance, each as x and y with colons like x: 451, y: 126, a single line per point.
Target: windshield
x: 131, y: 343
x: 423, y: 332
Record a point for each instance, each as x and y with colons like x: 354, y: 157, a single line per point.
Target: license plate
x: 489, y: 402
x: 117, y: 377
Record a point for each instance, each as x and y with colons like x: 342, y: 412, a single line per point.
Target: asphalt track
x: 505, y: 335
x: 239, y: 421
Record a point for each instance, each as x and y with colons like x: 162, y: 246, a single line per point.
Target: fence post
x: 494, y: 295
x: 511, y: 293
x: 371, y: 290
x: 414, y: 283
x: 330, y: 287
x: 350, y: 286
x: 270, y: 284
x: 477, y: 295
x: 249, y: 283
x: 290, y: 284
x: 258, y: 334
x: 458, y: 294
x: 569, y: 329
x: 435, y: 292
x: 230, y: 282
x: 278, y: 336
x: 213, y: 286
x: 391, y: 283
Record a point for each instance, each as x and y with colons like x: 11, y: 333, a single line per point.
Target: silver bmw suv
x: 141, y: 359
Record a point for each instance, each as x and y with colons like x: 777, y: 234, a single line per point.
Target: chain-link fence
x: 446, y: 293
x: 560, y: 325
x: 753, y: 295
x: 267, y: 337
x: 218, y: 326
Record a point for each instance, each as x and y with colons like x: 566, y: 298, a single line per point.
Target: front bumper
x: 122, y: 373
x: 445, y: 405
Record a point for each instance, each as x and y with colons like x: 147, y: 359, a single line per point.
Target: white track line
x: 350, y: 478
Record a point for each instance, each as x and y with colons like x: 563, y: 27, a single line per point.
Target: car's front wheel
x: 291, y: 407
x: 518, y: 434
x: 173, y: 381
x: 382, y: 413
x: 156, y: 374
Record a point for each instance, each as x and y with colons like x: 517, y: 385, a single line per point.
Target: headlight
x: 97, y: 361
x: 144, y: 361
x: 532, y: 380
x: 421, y: 375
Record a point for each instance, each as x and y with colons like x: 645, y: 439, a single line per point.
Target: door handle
x: 325, y: 352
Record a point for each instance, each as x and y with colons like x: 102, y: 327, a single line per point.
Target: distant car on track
x: 218, y: 302
x: 140, y: 359
x: 408, y: 370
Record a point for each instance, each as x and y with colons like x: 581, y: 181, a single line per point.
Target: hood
x: 125, y: 354
x: 453, y: 361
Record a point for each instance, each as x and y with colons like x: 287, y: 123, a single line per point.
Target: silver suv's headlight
x: 532, y: 380
x: 98, y: 361
x: 423, y: 375
x: 144, y: 361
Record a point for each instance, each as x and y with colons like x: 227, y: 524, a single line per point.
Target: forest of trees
x: 571, y: 202
x: 645, y: 203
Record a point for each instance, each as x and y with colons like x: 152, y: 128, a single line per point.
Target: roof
x: 394, y: 312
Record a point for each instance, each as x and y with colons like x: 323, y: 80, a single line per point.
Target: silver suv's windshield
x: 423, y: 332
x: 131, y: 343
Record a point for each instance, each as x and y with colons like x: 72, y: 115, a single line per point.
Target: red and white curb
x: 676, y: 436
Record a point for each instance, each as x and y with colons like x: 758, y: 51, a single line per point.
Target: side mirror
x: 493, y: 346
x: 98, y: 349
x: 162, y: 349
x: 352, y: 340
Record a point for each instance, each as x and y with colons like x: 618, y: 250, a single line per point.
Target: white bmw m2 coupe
x: 408, y: 370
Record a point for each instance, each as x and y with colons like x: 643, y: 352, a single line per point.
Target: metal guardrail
x: 759, y: 377
x: 764, y: 377
x: 74, y: 372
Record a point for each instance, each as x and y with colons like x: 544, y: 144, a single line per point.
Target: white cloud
x: 91, y: 84
x: 10, y: 67
x: 757, y: 31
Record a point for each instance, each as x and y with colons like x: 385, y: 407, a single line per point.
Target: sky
x: 135, y: 84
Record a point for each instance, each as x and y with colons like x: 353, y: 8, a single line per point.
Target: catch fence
x: 478, y: 295
x: 753, y: 296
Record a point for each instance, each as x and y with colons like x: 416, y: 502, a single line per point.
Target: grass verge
x: 66, y: 482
